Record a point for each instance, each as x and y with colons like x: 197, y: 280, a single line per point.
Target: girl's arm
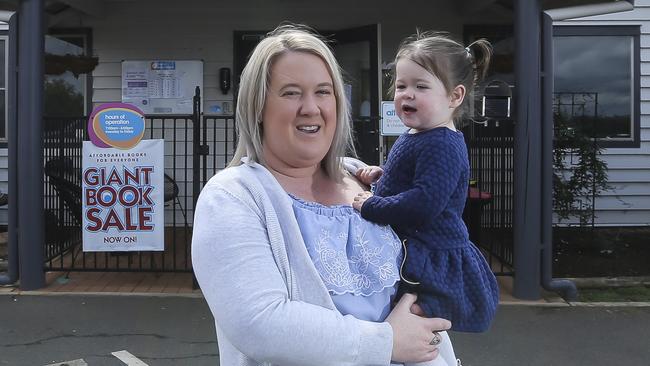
x: 437, y: 174
x: 248, y: 297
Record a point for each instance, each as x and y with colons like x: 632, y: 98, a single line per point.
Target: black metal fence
x: 62, y: 190
x: 190, y: 159
x: 218, y: 144
x: 489, y: 209
x: 196, y: 147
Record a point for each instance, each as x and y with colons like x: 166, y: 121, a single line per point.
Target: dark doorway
x: 243, y: 44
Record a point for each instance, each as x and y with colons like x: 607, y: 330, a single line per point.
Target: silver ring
x: 436, y: 339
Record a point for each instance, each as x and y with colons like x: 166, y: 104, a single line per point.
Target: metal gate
x: 489, y: 209
x: 196, y: 147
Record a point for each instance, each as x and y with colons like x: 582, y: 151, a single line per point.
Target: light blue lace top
x: 358, y: 260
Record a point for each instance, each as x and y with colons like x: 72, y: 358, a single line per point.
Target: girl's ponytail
x: 481, y: 51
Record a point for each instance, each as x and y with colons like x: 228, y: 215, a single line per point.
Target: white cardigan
x: 269, y: 302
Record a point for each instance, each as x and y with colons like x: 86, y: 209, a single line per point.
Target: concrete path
x: 138, y: 330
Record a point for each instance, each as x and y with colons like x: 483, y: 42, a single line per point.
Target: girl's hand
x: 369, y: 174
x: 412, y: 333
x: 360, y: 199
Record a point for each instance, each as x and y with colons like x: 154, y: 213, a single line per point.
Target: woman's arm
x: 242, y: 284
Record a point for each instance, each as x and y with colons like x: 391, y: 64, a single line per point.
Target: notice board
x: 161, y: 86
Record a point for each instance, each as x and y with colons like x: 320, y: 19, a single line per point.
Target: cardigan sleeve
x: 437, y: 173
x: 248, y: 297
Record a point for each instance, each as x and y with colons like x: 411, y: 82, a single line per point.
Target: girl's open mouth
x: 409, y: 109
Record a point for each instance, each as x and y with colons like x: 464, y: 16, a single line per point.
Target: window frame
x: 634, y: 31
x: 4, y: 35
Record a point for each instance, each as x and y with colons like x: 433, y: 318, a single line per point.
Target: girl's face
x: 421, y: 101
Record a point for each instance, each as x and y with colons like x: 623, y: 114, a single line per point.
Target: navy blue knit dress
x: 422, y: 195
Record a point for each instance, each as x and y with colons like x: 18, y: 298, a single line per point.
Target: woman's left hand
x: 360, y: 199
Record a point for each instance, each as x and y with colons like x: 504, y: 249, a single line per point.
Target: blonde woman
x: 292, y: 274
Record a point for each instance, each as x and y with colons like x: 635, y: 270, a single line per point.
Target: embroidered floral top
x: 358, y: 260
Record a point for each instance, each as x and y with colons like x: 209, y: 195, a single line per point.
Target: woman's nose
x: 309, y: 106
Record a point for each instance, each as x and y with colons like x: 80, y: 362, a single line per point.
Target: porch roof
x: 97, y: 8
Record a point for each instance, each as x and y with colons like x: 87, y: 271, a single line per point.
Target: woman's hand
x: 412, y: 333
x: 369, y: 174
x: 360, y: 199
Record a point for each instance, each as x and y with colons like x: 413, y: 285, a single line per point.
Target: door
x: 244, y: 43
x: 357, y: 51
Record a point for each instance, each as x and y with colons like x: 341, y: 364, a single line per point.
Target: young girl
x: 424, y: 183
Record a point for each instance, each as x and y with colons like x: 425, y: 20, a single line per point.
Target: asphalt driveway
x: 92, y: 330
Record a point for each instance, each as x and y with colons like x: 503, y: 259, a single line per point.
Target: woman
x: 261, y: 265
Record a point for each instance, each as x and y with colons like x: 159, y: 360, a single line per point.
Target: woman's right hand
x: 412, y: 333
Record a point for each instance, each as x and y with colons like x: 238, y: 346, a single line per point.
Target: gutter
x: 566, y: 288
x: 11, y: 276
x: 589, y: 10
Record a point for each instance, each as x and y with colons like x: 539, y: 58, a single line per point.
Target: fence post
x: 196, y: 145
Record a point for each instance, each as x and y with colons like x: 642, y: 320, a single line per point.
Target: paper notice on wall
x: 161, y: 86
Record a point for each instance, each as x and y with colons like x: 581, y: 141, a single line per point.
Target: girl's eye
x: 422, y: 87
x: 399, y: 87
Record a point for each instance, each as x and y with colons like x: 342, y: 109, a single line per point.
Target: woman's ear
x: 457, y: 96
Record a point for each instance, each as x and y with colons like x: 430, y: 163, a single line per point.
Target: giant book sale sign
x: 122, y: 183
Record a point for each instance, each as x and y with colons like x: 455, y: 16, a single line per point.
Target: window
x: 596, y: 75
x: 66, y: 93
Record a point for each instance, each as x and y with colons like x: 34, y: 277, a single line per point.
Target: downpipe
x: 565, y: 288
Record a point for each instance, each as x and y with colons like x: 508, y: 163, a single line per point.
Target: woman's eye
x: 288, y: 93
x: 324, y: 92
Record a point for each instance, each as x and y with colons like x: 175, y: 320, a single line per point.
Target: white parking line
x: 128, y: 359
x: 79, y: 362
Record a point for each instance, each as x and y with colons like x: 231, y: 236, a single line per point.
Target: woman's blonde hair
x: 254, y: 84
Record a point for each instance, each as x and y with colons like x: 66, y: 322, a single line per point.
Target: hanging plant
x: 76, y: 64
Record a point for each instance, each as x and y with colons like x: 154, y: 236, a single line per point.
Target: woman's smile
x: 309, y: 129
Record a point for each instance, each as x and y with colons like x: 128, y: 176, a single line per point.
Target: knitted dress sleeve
x: 437, y: 171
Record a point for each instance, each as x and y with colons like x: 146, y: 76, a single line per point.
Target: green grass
x: 615, y: 294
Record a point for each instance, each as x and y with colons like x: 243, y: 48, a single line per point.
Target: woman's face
x: 299, y: 116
